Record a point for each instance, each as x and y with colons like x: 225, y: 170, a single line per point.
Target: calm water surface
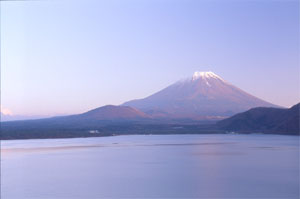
x: 152, y: 166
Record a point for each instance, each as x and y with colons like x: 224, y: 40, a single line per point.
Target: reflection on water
x: 4, y: 150
x: 163, y: 166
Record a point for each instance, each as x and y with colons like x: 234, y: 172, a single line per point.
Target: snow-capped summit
x: 203, y: 95
x: 208, y: 74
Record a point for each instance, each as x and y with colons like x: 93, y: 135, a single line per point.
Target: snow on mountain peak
x: 205, y: 75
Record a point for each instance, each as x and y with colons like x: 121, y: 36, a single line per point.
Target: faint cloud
x: 6, y: 111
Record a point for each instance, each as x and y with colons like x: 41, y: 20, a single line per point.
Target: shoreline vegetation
x: 155, y: 130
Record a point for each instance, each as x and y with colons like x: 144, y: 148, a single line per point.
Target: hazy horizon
x: 65, y: 57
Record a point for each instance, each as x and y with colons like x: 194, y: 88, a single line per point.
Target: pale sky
x: 64, y: 57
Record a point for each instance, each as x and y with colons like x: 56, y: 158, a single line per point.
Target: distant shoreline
x: 93, y: 136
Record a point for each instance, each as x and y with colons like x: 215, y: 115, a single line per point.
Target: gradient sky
x: 63, y: 57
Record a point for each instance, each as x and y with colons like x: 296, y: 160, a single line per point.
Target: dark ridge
x: 264, y: 120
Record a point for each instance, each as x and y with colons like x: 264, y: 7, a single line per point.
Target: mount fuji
x: 205, y: 95
x: 189, y: 106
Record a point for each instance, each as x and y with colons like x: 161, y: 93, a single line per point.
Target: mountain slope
x: 204, y: 95
x: 264, y: 120
x: 111, y: 112
x: 106, y: 120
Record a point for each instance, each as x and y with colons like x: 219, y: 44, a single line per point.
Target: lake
x: 152, y: 166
